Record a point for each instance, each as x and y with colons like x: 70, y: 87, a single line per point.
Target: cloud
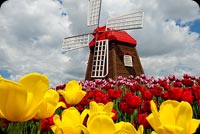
x: 32, y: 31
x: 31, y: 38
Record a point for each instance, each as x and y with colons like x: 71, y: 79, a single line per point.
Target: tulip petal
x: 57, y: 120
x: 71, y: 117
x: 195, y: 124
x: 108, y: 107
x: 49, y: 105
x: 153, y: 132
x: 184, y: 115
x: 125, y: 128
x: 13, y: 97
x: 153, y: 118
x: 84, y: 114
x: 140, y: 129
x: 93, y: 107
x: 84, y: 129
x: 168, y: 108
x: 170, y: 129
x: 152, y: 122
x: 73, y: 85
x: 79, y: 96
x: 101, y: 124
x: 35, y: 83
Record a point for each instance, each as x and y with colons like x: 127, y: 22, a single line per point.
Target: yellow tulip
x: 49, y: 105
x: 173, y: 118
x: 100, y: 121
x: 128, y: 128
x: 103, y: 124
x: 20, y: 100
x: 99, y: 124
x: 73, y: 92
x: 69, y: 124
x: 99, y: 108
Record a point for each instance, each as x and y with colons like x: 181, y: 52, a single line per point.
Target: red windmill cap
x: 100, y: 33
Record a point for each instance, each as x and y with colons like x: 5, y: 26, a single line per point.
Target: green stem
x: 39, y: 127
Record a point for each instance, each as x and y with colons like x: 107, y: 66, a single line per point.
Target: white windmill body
x: 98, y: 63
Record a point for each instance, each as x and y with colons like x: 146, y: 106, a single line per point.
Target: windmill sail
x: 93, y: 12
x: 100, y: 59
x: 75, y: 42
x: 125, y: 22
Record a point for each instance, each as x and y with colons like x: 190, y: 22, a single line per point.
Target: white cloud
x: 31, y: 38
x: 31, y: 34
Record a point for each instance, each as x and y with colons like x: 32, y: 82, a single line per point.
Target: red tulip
x: 187, y: 82
x: 175, y: 94
x: 177, y: 84
x: 187, y: 96
x: 157, y: 91
x: 145, y: 108
x: 114, y: 94
x: 46, y: 123
x: 147, y: 95
x: 134, y: 101
x: 142, y: 120
x: 125, y: 108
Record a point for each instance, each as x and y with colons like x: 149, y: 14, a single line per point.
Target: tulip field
x: 128, y: 105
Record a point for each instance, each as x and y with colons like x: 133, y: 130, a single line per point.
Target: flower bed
x: 126, y: 106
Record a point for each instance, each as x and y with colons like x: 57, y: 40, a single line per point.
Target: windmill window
x: 128, y: 61
x: 99, y: 60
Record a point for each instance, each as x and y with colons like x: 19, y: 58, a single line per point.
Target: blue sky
x: 4, y: 73
x: 32, y: 32
x: 196, y: 26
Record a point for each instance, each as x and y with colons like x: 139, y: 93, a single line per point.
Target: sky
x: 32, y: 32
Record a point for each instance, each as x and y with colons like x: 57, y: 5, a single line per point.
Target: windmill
x: 112, y: 51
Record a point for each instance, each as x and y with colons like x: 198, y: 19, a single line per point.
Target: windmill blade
x: 93, y: 12
x: 125, y: 22
x: 75, y: 42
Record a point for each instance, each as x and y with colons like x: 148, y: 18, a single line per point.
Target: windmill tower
x: 112, y: 50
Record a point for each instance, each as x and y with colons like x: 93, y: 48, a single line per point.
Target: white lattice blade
x: 75, y: 42
x: 93, y: 12
x: 100, y: 59
x: 129, y: 21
